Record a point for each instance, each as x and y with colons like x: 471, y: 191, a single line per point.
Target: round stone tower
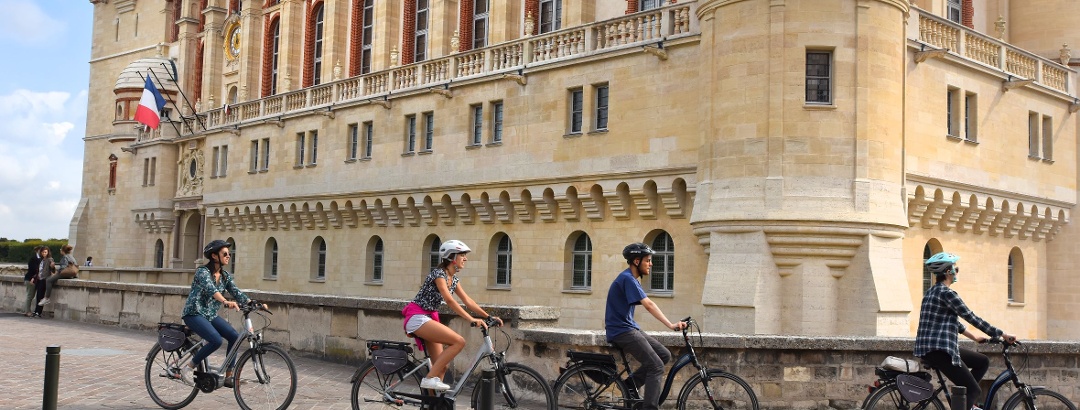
x: 801, y: 201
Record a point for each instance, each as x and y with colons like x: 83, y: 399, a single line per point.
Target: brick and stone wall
x: 785, y: 371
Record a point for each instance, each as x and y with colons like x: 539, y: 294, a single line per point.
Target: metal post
x: 959, y: 398
x: 52, y: 377
x: 487, y: 391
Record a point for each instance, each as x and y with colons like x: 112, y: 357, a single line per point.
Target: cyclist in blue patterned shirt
x: 936, y: 341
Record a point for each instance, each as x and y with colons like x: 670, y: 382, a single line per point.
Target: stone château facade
x: 793, y: 161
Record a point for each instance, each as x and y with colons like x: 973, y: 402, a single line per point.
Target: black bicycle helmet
x: 214, y: 246
x: 636, y: 250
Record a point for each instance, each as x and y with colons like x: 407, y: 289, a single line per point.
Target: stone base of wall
x: 786, y: 372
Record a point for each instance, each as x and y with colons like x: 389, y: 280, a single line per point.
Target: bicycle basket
x: 914, y: 388
x: 388, y: 357
x: 171, y: 336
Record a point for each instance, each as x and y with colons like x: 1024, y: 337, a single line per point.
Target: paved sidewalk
x: 101, y: 367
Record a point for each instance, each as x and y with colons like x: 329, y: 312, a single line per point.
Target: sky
x: 44, y: 73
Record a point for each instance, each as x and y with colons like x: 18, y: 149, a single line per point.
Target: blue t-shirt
x: 624, y: 294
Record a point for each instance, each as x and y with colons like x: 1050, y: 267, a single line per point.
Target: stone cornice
x: 996, y: 213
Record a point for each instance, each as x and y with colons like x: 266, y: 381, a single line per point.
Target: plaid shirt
x: 939, y: 326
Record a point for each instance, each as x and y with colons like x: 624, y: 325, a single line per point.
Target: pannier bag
x: 388, y: 357
x: 171, y: 336
x: 603, y: 360
x: 914, y: 388
x: 900, y: 365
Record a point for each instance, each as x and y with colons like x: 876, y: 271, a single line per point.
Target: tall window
x: 496, y: 121
x: 233, y: 250
x: 952, y: 102
x: 369, y: 136
x: 480, y: 23
x: 928, y: 277
x: 1047, y: 137
x: 265, y: 154
x: 317, y: 46
x: 550, y: 15
x: 1033, y: 134
x: 429, y: 131
x: 270, y: 270
x: 433, y: 253
x: 582, y: 254
x: 223, y: 166
x: 477, y: 124
x: 375, y: 267
x: 213, y: 164
x: 971, y: 119
x: 146, y: 168
x: 953, y: 10
x: 663, y: 269
x: 601, y: 107
x: 649, y: 4
x: 159, y: 254
x: 275, y: 41
x: 112, y: 172
x: 301, y: 144
x: 254, y: 156
x: 410, y: 136
x: 421, y: 36
x: 577, y: 107
x: 1016, y: 276
x: 313, y: 135
x: 504, y: 261
x: 318, y: 259
x: 368, y: 32
x: 818, y: 77
x: 353, y: 141
x: 153, y: 170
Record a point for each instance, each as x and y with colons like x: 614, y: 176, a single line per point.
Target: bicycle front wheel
x: 1041, y: 399
x: 162, y: 379
x: 370, y: 388
x: 888, y: 398
x: 518, y: 387
x: 265, y: 378
x: 720, y: 390
x: 592, y: 387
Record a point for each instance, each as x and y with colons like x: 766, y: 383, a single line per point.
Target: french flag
x: 150, y: 106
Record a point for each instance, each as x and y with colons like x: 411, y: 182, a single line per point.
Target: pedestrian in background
x: 30, y: 278
x: 46, y: 269
x: 89, y: 261
x: 69, y: 269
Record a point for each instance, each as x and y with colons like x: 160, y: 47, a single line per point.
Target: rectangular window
x: 410, y: 133
x: 480, y: 23
x: 369, y: 134
x: 477, y: 123
x: 577, y: 107
x: 429, y: 131
x: 369, y: 30
x: 313, y: 136
x: 1047, y: 138
x: 353, y: 141
x: 265, y: 154
x: 818, y: 77
x: 420, y: 52
x: 301, y: 140
x: 953, y: 10
x: 153, y: 170
x: 254, y: 156
x: 601, y: 107
x: 146, y: 172
x: 550, y: 15
x: 952, y: 102
x: 649, y: 4
x: 496, y: 121
x: 971, y: 117
x: 1033, y: 134
x: 213, y: 163
x: 223, y: 168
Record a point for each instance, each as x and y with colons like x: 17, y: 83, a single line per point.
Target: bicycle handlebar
x: 1004, y: 345
x: 489, y: 321
x: 252, y: 306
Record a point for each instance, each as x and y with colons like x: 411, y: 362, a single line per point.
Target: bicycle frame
x: 487, y: 350
x: 687, y: 358
x: 252, y: 338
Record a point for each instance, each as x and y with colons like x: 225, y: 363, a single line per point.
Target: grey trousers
x: 31, y: 291
x: 652, y: 355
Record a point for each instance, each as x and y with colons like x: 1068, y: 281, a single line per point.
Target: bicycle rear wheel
x: 265, y: 378
x: 518, y: 387
x: 1043, y: 400
x: 165, y: 388
x: 588, y: 386
x: 369, y: 387
x: 721, y: 390
x: 888, y: 398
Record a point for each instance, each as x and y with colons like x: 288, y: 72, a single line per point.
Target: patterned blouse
x: 429, y: 297
x: 201, y: 299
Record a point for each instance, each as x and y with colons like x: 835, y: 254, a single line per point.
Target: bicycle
x: 593, y: 381
x: 264, y: 375
x: 885, y: 394
x: 391, y: 377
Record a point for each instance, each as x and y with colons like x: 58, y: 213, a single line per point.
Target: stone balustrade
x: 794, y: 372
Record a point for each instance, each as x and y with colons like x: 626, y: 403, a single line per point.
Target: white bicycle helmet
x: 452, y: 247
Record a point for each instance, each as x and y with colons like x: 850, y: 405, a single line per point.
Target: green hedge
x: 20, y: 252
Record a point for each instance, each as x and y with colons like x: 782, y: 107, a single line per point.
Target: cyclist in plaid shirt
x: 936, y: 342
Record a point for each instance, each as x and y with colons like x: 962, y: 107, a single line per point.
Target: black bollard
x: 487, y: 391
x: 52, y: 377
x: 959, y: 398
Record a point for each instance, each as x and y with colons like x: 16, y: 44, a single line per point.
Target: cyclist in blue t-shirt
x: 622, y: 331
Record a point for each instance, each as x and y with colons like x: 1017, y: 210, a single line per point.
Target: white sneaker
x: 434, y: 384
x: 44, y: 302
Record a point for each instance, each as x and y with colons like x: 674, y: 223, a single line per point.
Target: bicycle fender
x: 680, y: 362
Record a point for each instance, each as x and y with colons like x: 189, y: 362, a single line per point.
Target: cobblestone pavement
x: 101, y: 367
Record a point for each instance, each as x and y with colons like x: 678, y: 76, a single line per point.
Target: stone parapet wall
x: 785, y: 371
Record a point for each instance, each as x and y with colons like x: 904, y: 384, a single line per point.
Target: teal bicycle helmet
x: 941, y: 263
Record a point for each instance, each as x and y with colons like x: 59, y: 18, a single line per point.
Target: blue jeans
x: 211, y: 332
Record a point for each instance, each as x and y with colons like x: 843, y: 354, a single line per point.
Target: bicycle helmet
x: 636, y: 250
x: 452, y: 247
x: 214, y: 246
x: 941, y: 263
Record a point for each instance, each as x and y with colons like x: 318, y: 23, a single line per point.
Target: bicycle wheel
x: 369, y: 387
x: 265, y: 378
x: 721, y: 390
x: 164, y: 387
x: 588, y: 386
x: 1043, y: 400
x: 888, y: 398
x: 518, y: 387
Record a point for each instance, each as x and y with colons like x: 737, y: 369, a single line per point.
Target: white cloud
x: 40, y: 166
x: 24, y: 23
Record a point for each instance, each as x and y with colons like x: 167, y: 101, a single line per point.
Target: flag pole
x: 162, y: 94
x: 169, y: 98
x: 172, y: 77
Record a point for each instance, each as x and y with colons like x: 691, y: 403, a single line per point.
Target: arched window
x: 318, y: 259
x: 313, y: 47
x: 1016, y: 276
x: 159, y: 254
x: 270, y: 50
x: 663, y: 269
x: 270, y: 264
x: 363, y: 21
x: 375, y: 261
x: 433, y: 253
x: 932, y: 247
x: 112, y: 172
x: 504, y: 261
x: 232, y: 253
x: 581, y: 277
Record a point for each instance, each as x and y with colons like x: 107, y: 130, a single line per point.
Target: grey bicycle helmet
x: 636, y: 250
x: 941, y: 263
